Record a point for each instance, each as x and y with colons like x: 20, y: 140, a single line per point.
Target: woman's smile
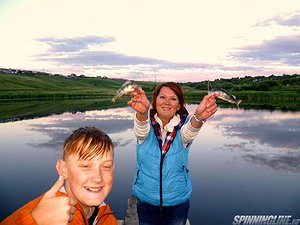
x: 167, y: 104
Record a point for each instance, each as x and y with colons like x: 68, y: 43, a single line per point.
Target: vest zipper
x: 160, y: 183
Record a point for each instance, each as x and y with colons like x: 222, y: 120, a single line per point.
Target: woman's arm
x: 205, y: 109
x: 140, y: 103
x: 141, y: 129
x: 188, y: 133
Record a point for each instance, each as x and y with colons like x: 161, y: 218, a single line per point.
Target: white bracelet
x: 197, y: 120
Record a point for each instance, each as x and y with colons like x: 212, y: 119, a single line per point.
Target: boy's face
x: 89, y: 181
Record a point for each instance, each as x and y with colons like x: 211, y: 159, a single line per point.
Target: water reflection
x: 271, y: 128
x: 232, y: 146
x: 58, y: 127
x: 270, y: 138
x: 289, y: 162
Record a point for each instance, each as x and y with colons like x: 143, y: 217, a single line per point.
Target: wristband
x: 198, y: 121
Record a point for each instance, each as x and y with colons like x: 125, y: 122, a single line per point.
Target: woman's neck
x: 164, y: 121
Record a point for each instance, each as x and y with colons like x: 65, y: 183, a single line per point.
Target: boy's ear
x: 61, y: 168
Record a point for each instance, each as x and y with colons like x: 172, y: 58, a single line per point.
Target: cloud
x: 75, y: 52
x: 291, y: 21
x: 280, y: 49
x: 61, y: 45
x: 94, y: 58
x: 282, y: 20
x: 284, y: 49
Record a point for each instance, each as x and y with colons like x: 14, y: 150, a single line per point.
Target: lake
x: 243, y: 162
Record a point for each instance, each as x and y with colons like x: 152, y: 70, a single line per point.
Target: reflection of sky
x: 269, y: 139
x: 277, y: 129
x: 232, y: 146
x: 58, y: 127
x: 33, y: 146
x: 264, y: 137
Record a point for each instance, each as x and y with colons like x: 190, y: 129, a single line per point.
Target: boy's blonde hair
x: 87, y: 143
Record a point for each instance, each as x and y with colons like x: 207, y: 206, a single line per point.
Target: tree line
x: 248, y: 83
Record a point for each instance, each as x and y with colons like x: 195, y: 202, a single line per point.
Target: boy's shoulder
x: 23, y: 214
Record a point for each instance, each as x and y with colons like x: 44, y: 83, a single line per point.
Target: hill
x: 44, y: 86
x: 27, y: 85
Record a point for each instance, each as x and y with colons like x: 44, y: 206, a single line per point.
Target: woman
x: 164, y: 134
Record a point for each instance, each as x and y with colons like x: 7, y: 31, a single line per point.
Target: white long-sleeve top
x: 188, y: 132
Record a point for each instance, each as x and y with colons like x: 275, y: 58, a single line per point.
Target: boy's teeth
x: 92, y: 189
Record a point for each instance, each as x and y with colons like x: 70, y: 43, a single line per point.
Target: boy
x: 87, y: 169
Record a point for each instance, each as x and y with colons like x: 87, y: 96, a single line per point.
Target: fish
x: 225, y: 95
x: 126, y: 88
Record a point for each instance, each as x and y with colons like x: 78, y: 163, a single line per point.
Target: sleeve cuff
x: 27, y: 218
x: 140, y: 123
x: 192, y: 129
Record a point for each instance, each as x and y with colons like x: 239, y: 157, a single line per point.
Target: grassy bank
x: 276, y: 90
x: 30, y: 86
x: 19, y: 110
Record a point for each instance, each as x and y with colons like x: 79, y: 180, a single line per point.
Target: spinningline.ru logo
x: 265, y: 220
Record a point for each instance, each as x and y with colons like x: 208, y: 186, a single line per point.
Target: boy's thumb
x: 55, y: 188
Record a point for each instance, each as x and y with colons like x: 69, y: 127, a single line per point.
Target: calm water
x: 243, y: 162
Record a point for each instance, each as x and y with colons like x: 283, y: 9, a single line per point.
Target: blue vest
x: 176, y: 183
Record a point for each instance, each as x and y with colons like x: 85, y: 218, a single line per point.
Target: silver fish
x: 225, y: 95
x: 126, y: 88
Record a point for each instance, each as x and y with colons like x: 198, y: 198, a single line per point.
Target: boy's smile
x: 89, y: 181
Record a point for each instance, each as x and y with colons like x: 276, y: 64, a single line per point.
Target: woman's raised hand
x: 207, y: 106
x: 139, y: 101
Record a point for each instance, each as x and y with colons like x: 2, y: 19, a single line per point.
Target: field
x: 32, y: 89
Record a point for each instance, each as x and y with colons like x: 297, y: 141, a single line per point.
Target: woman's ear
x: 179, y: 107
x: 62, y: 168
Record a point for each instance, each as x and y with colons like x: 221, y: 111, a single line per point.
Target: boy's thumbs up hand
x: 54, y: 209
x: 55, y: 188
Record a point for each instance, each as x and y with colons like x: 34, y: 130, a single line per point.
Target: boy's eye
x: 107, y: 167
x: 84, y: 166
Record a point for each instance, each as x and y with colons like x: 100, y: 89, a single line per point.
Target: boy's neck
x: 88, y: 211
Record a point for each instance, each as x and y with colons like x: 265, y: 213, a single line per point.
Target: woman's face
x: 167, y: 104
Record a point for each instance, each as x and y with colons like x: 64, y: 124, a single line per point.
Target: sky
x: 157, y: 40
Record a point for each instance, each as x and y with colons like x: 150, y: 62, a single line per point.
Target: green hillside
x: 281, y: 92
x: 41, y: 86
